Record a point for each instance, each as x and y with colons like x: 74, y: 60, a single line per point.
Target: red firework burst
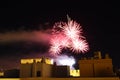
x: 68, y: 35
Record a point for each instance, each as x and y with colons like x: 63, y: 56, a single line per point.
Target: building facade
x: 96, y: 66
x: 42, y: 68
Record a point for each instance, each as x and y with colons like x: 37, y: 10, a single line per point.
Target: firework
x: 72, y: 30
x: 67, y: 35
x: 80, y: 46
x: 56, y: 44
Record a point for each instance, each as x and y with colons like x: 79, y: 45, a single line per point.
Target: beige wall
x: 103, y: 69
x: 96, y: 67
x: 30, y: 70
x: 25, y: 70
x: 46, y: 70
x: 86, y: 70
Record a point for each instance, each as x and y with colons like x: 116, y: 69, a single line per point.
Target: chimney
x: 107, y: 56
x: 43, y: 60
x: 55, y: 64
x: 97, y: 55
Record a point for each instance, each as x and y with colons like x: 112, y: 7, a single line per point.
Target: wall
x: 96, y: 67
x: 46, y: 70
x: 25, y: 70
x: 86, y: 70
x: 102, y: 78
x: 60, y: 71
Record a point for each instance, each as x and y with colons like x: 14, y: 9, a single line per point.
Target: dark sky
x: 99, y: 20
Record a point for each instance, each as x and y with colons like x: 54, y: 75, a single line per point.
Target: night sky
x: 18, y: 19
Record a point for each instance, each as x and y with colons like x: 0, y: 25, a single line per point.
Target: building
x: 11, y: 73
x: 96, y: 66
x: 42, y: 68
x: 34, y: 68
x: 1, y: 74
x: 75, y: 73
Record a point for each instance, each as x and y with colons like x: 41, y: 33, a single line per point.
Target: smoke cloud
x: 34, y: 36
x: 65, y: 60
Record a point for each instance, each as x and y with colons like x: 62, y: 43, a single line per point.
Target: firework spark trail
x: 68, y: 35
x: 56, y: 46
x: 72, y: 30
x: 58, y: 42
x: 80, y: 46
